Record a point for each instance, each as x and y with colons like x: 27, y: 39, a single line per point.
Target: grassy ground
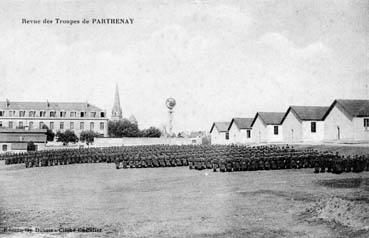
x: 342, y: 149
x: 178, y: 202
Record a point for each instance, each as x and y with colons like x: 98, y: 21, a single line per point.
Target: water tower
x: 170, y: 103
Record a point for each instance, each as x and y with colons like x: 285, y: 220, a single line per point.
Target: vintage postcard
x: 184, y: 118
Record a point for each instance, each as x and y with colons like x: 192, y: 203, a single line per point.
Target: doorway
x: 291, y: 135
x: 338, y: 133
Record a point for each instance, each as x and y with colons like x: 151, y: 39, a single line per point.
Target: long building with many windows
x: 58, y: 116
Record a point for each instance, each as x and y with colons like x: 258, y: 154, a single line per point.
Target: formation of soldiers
x: 223, y: 158
x: 334, y: 163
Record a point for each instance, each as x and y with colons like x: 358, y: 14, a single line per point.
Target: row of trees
x: 69, y: 136
x: 124, y: 128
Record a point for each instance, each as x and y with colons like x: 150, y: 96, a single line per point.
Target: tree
x: 88, y: 136
x: 151, y: 132
x: 123, y: 128
x: 49, y: 133
x: 31, y: 146
x: 66, y: 137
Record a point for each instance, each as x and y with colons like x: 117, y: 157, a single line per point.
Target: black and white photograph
x: 184, y: 118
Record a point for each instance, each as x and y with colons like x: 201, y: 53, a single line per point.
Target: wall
x: 270, y: 134
x: 218, y: 138
x: 337, y: 118
x: 292, y: 128
x: 259, y: 131
x: 11, y: 146
x: 130, y: 141
x: 214, y: 136
x: 360, y: 133
x: 238, y: 135
x: 307, y: 135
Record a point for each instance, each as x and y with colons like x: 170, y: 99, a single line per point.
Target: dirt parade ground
x: 178, y: 202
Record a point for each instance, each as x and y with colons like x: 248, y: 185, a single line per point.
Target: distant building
x: 132, y: 119
x: 240, y: 130
x: 266, y: 127
x: 116, y: 112
x: 304, y: 124
x: 16, y: 140
x: 57, y: 116
x: 347, y: 120
x: 219, y: 133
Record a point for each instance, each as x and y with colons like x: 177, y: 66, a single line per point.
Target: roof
x: 221, y: 126
x: 22, y: 138
x: 307, y: 113
x: 23, y: 131
x: 9, y: 135
x: 57, y: 106
x: 241, y: 123
x: 352, y: 107
x: 194, y: 134
x: 269, y: 118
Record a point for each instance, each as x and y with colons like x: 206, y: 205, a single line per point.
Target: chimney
x: 47, y: 102
x: 7, y: 103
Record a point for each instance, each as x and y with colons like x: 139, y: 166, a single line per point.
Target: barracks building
x: 57, y: 116
x: 344, y: 121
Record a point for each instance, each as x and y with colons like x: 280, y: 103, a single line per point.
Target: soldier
x: 117, y: 164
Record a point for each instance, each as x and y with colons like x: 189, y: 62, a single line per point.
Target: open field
x: 178, y: 202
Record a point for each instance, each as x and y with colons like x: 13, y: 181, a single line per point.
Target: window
x: 11, y: 113
x: 313, y: 126
x: 72, y: 114
x: 30, y: 125
x: 31, y: 113
x: 227, y: 135
x: 275, y: 130
x: 101, y: 125
x: 83, y: 114
x: 366, y: 123
x: 82, y: 126
x: 41, y: 124
x: 20, y: 124
x: 52, y: 125
x: 102, y: 114
x: 61, y: 125
x: 62, y: 114
x: 2, y: 113
x: 5, y: 147
x: 10, y: 124
x: 91, y: 126
x: 22, y: 113
x: 93, y: 114
x: 42, y: 113
x: 53, y: 114
x: 71, y: 125
x: 1, y: 124
x: 248, y: 132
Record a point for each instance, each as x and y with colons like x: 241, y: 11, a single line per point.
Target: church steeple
x: 116, y: 112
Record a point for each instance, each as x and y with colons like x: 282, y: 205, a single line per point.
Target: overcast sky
x: 218, y: 59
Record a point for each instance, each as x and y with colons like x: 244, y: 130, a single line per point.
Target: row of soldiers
x: 339, y: 164
x: 224, y: 158
x: 132, y: 156
x: 257, y: 158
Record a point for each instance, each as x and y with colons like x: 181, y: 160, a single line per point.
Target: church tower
x: 116, y: 112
